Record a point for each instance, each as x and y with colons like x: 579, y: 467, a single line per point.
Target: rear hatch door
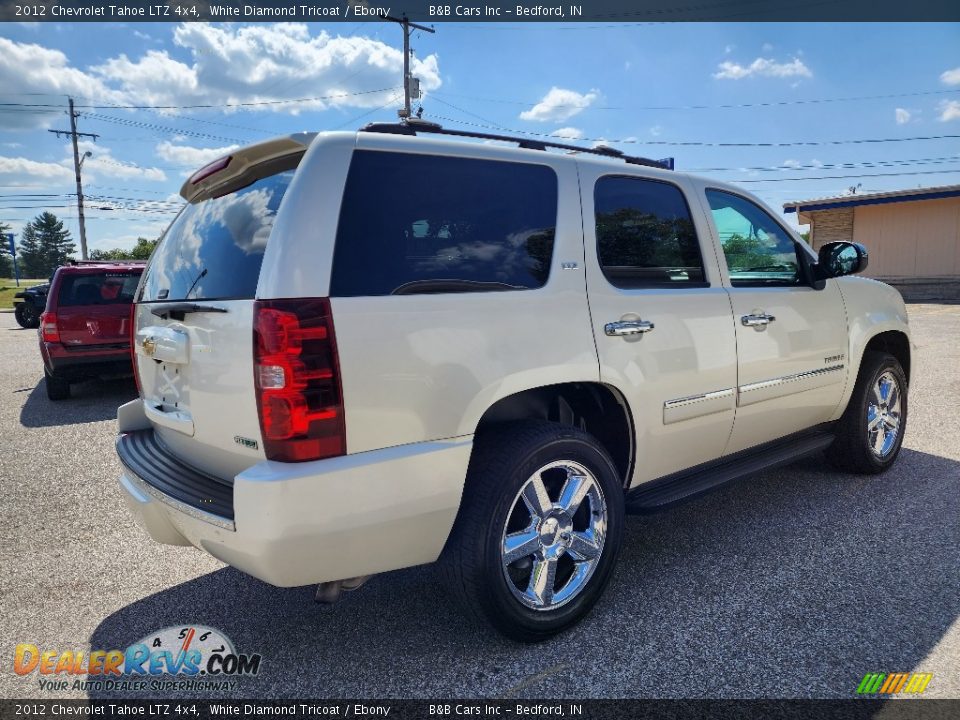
x: 194, y: 319
x: 93, y: 308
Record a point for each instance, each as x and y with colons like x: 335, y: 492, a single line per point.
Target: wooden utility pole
x: 77, y: 163
x: 406, y: 24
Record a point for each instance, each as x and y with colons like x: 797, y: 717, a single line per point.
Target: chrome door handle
x: 757, y: 320
x: 628, y: 327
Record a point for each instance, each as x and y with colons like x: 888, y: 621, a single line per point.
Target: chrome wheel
x: 883, y: 415
x: 554, y: 535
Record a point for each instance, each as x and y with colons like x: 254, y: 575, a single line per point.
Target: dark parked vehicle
x: 85, y: 329
x: 28, y: 305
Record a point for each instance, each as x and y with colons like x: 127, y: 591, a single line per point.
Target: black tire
x: 852, y: 451
x: 504, y: 459
x: 27, y: 315
x: 57, y: 387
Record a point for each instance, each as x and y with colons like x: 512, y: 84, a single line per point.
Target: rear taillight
x: 297, y: 377
x: 48, y: 327
x: 132, y: 322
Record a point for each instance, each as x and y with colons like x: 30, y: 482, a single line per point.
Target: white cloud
x: 31, y: 68
x: 767, y: 47
x: 949, y: 110
x: 902, y: 116
x: 951, y: 77
x: 762, y: 67
x: 568, y: 133
x: 729, y: 49
x: 102, y: 165
x: 19, y: 168
x: 559, y: 105
x: 656, y: 131
x: 281, y: 61
x: 188, y: 156
x: 791, y: 163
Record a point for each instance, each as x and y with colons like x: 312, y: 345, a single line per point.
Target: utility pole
x: 77, y: 164
x: 407, y: 79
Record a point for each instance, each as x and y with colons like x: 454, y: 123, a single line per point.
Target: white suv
x: 363, y: 351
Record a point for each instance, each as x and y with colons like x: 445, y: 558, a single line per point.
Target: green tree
x: 140, y: 251
x: 55, y: 240
x: 33, y: 262
x: 6, y: 265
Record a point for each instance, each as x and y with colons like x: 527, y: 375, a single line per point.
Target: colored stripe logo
x: 893, y: 683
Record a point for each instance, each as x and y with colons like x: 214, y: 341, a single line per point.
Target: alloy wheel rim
x: 884, y: 406
x: 554, y: 535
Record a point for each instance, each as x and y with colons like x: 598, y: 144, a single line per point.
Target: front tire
x: 870, y: 433
x: 539, y: 529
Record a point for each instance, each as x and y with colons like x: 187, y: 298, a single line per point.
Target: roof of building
x: 881, y: 198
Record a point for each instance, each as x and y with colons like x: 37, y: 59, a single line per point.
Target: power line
x: 690, y: 143
x: 726, y: 106
x: 849, y: 177
x: 258, y: 103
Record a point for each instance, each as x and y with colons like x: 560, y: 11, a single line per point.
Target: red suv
x: 85, y: 330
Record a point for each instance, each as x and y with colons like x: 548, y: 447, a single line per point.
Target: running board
x: 687, y: 484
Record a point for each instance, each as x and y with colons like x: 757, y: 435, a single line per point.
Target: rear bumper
x: 77, y: 364
x: 303, y: 523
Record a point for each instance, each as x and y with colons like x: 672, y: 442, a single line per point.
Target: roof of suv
x: 94, y: 266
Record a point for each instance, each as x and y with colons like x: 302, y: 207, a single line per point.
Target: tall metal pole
x: 76, y: 167
x: 406, y: 67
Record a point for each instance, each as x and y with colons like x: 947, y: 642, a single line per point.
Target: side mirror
x: 837, y: 259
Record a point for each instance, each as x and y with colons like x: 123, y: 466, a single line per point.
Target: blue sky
x: 635, y: 82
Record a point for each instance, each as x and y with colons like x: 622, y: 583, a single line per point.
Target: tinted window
x: 423, y: 224
x: 214, y: 248
x: 106, y: 288
x: 757, y: 249
x: 645, y: 235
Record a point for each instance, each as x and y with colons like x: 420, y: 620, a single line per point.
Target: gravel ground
x: 792, y: 584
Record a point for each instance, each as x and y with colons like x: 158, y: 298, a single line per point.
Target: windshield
x: 213, y: 250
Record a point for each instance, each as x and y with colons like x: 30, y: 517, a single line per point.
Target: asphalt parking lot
x: 791, y: 584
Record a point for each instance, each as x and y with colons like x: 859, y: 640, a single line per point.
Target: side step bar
x: 687, y: 484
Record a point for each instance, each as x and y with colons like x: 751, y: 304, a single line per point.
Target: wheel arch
x: 895, y: 343
x: 594, y: 407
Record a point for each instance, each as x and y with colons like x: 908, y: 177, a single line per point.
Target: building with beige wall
x: 912, y: 236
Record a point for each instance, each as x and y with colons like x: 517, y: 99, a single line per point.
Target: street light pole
x: 77, y: 164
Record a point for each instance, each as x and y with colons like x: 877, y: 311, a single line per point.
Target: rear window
x: 413, y: 224
x: 645, y: 234
x: 106, y: 288
x: 214, y: 248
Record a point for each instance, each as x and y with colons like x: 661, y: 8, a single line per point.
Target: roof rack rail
x: 414, y: 126
x: 71, y: 261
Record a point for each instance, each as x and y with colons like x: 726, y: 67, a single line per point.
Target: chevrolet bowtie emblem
x: 149, y: 346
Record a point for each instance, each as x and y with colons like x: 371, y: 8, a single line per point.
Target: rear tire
x: 870, y: 433
x: 549, y: 497
x: 27, y: 315
x: 57, y: 387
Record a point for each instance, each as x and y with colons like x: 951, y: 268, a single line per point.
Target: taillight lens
x: 48, y: 327
x: 133, y: 346
x: 297, y: 377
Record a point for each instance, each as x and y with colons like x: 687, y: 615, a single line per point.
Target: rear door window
x: 213, y: 250
x: 106, y: 288
x: 412, y: 224
x: 645, y: 234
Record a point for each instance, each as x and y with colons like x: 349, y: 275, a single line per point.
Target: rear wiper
x: 440, y: 286
x: 178, y: 310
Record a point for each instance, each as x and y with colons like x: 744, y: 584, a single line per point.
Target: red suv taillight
x: 297, y: 377
x: 132, y: 321
x: 48, y: 327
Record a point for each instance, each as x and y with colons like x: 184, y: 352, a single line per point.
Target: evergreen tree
x: 6, y: 265
x: 55, y: 242
x: 33, y: 262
